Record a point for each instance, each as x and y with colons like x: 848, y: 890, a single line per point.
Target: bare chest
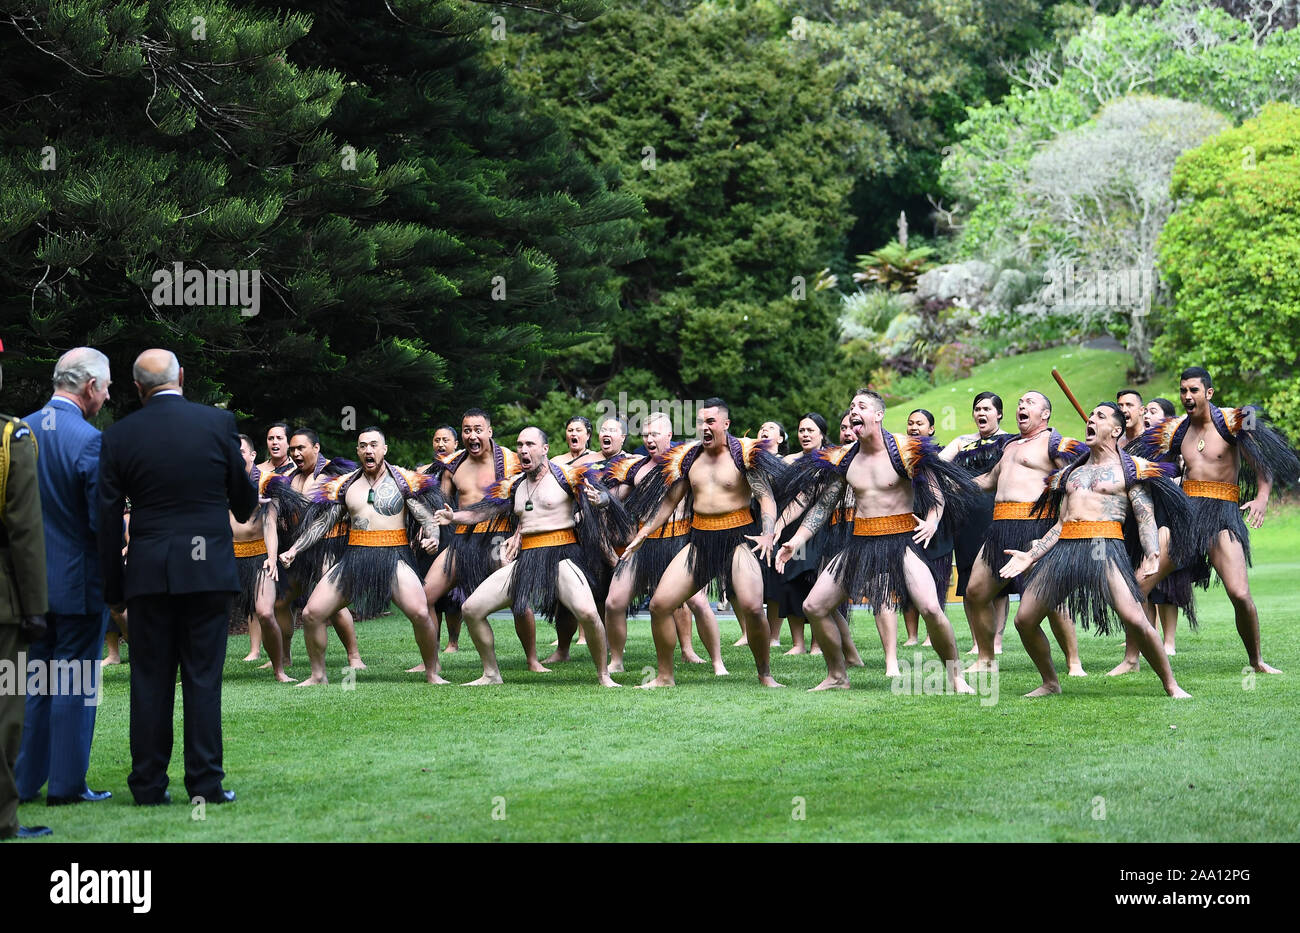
x: 381, y: 498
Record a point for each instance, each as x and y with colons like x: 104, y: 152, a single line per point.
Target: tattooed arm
x: 427, y: 523
x: 315, y: 531
x: 1022, y: 560
x: 816, y: 516
x: 672, y: 499
x: 1145, y: 513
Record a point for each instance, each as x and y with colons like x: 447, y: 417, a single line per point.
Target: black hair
x: 1123, y: 392
x: 445, y: 427
x: 586, y: 423
x: 476, y: 413
x: 278, y: 424
x: 992, y: 397
x: 532, y: 427
x: 1197, y: 372
x: 307, y: 433
x: 820, y: 422
x: 372, y: 430
x: 249, y: 441
x: 716, y: 402
x: 781, y: 438
x: 1118, y: 412
x: 1165, y: 405
x: 929, y: 415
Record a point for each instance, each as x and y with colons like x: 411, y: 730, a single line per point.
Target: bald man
x: 179, y: 576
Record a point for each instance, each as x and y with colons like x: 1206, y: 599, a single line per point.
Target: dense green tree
x: 1232, y: 260
x: 424, y: 240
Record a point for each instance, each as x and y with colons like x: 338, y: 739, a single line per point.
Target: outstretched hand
x: 444, y: 516
x: 762, y: 547
x: 925, y: 530
x: 1149, y: 567
x: 1254, y: 510
x: 784, y: 555
x: 632, y: 546
x: 1019, y: 563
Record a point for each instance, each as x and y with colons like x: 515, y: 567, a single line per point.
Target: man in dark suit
x: 59, y: 721
x: 179, y: 463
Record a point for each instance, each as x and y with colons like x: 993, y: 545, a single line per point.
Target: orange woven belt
x: 548, y: 539
x: 1203, y: 489
x: 1091, y: 530
x: 673, y: 529
x: 334, y: 532
x: 250, y: 548
x: 884, y: 525
x: 841, y: 515
x: 388, y: 537
x: 493, y: 524
x: 1012, y: 510
x: 735, y: 519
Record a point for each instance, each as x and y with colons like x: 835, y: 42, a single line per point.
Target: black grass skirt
x: 365, y: 577
x: 870, y: 569
x: 1209, y: 517
x: 1075, y: 573
x: 535, y: 582
x: 649, y: 564
x: 251, y: 576
x: 472, y: 557
x: 711, y: 553
x: 1015, y: 534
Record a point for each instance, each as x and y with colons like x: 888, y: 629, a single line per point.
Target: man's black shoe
x: 87, y: 796
x: 164, y: 799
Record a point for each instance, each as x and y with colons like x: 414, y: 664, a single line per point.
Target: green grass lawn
x: 723, y: 759
x: 1093, y: 375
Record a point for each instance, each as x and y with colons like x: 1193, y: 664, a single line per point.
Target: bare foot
x: 264, y: 667
x: 1076, y: 670
x: 418, y: 669
x: 283, y: 678
x: 982, y: 667
x: 854, y: 662
x: 1178, y: 693
x: 658, y: 682
x: 893, y: 671
x: 1262, y: 668
x: 252, y: 656
x: 435, y: 678
x: 1044, y: 690
x: 484, y: 681
x: 356, y: 663
x: 720, y: 670
x: 1169, y: 650
x: 774, y: 643
x: 451, y: 648
x: 607, y: 681
x: 538, y: 668
x: 959, y: 685
x: 832, y: 683
x: 798, y: 649
x: 816, y: 650
x: 616, y: 667
x: 973, y: 650
x: 693, y: 658
x: 554, y: 643
x: 926, y: 643
x: 743, y: 640
x: 768, y: 681
x: 1124, y: 667
x: 558, y: 657
x: 314, y: 681
x: 107, y: 661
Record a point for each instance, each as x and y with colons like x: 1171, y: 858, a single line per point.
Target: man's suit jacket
x: 68, y: 472
x: 179, y: 464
